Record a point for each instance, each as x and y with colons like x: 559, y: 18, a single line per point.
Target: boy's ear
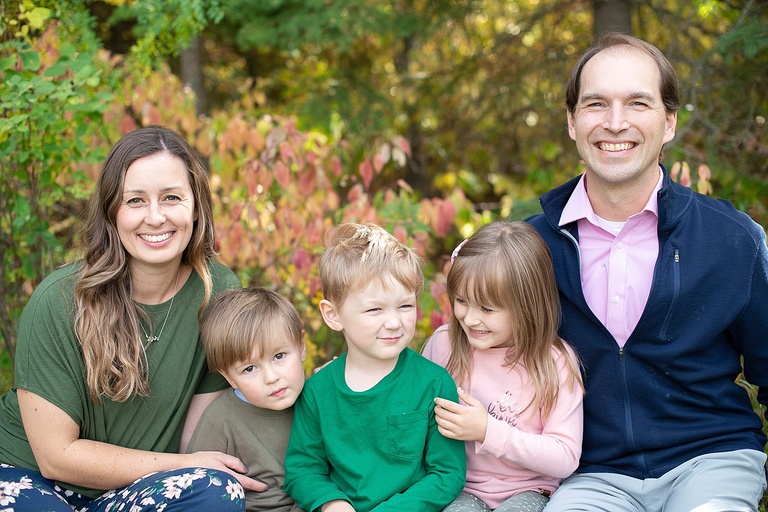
x: 330, y: 315
x: 303, y: 347
x: 225, y: 374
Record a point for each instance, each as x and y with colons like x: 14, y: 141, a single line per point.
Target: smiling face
x: 619, y: 122
x: 486, y: 326
x: 157, y: 211
x: 378, y: 321
x: 270, y: 380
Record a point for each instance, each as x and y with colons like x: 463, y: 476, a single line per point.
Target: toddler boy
x: 254, y: 338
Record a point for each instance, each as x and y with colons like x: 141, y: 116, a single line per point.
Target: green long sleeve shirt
x: 378, y: 449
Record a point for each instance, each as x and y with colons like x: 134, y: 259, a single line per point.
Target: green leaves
x: 50, y: 106
x: 165, y: 27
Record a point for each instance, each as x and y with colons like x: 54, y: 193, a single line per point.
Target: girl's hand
x: 462, y: 422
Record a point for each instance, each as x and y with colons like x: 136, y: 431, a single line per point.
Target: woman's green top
x: 49, y: 363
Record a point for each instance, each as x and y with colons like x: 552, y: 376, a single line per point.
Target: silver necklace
x: 151, y: 339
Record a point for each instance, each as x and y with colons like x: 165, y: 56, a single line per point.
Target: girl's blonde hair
x: 507, y: 266
x: 357, y: 254
x: 106, y: 317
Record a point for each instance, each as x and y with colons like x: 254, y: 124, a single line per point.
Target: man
x: 663, y: 290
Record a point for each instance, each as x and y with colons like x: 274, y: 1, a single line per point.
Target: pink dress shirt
x: 617, y: 260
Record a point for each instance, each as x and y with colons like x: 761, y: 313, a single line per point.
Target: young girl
x: 521, y: 415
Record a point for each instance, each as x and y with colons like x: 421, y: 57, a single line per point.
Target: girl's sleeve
x: 446, y: 465
x: 556, y: 451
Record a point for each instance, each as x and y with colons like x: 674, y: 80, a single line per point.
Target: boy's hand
x: 462, y: 422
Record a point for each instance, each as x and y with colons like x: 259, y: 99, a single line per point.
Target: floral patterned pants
x: 180, y: 490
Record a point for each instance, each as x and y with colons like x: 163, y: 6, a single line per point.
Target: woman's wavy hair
x: 507, y: 266
x: 106, y: 317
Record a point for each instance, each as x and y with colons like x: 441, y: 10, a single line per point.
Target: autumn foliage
x: 277, y: 189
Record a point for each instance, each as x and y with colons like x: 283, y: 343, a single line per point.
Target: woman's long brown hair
x: 106, y: 317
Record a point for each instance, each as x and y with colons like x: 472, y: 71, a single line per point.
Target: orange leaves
x: 440, y: 214
x: 204, y: 143
x: 150, y: 114
x: 241, y: 137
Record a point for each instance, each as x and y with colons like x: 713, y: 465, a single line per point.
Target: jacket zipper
x: 675, y: 292
x: 628, y: 422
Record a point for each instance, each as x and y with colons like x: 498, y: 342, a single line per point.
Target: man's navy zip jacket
x: 669, y: 394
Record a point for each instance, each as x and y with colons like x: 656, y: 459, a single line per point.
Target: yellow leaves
x: 29, y: 17
x: 704, y: 186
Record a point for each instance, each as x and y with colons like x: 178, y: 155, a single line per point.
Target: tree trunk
x: 416, y: 173
x: 192, y: 74
x: 612, y: 15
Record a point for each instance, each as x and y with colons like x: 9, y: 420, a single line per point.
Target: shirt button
x: 619, y: 244
x: 615, y: 298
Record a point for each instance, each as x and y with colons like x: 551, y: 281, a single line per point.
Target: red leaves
x: 126, y: 125
x: 366, y: 173
x: 282, y: 174
x: 446, y: 213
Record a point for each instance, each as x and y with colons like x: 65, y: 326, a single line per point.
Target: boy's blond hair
x: 357, y: 254
x: 240, y: 321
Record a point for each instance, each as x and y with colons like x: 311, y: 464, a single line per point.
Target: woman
x: 108, y: 363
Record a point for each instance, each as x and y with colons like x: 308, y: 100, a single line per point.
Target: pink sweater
x: 521, y: 451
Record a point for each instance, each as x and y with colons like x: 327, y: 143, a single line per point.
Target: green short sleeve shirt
x: 49, y: 364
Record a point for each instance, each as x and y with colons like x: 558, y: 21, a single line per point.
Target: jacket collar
x: 674, y: 199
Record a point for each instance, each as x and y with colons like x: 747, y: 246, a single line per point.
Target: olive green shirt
x: 256, y: 436
x: 49, y: 363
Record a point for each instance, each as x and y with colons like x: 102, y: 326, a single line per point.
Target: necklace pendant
x: 152, y: 339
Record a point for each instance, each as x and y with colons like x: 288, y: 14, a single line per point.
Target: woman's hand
x: 228, y: 463
x: 462, y: 422
x: 62, y: 455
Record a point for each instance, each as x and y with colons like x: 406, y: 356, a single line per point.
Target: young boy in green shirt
x: 364, y: 434
x: 254, y: 338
